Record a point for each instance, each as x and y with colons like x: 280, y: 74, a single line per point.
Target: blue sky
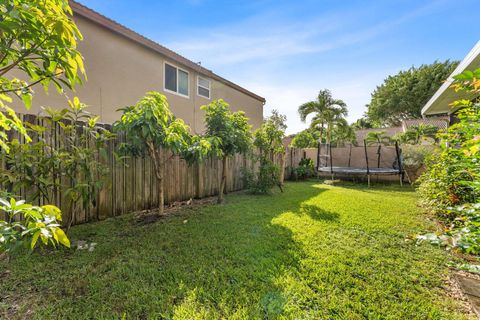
x: 287, y: 50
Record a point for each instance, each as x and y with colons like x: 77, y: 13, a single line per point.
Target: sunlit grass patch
x: 316, y: 251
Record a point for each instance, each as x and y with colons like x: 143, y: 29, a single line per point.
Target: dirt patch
x: 151, y: 216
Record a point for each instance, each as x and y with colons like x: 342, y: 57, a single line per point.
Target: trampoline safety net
x: 366, y: 160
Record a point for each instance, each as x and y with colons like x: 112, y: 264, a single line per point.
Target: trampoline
x: 376, y: 160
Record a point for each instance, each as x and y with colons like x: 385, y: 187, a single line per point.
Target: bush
x: 305, y: 169
x: 264, y: 180
x: 443, y: 184
x: 414, y: 157
x: 26, y: 224
x: 450, y: 186
x: 453, y: 173
x: 463, y: 233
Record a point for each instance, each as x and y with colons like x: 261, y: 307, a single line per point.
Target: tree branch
x: 22, y: 57
x: 31, y: 84
x: 9, y: 45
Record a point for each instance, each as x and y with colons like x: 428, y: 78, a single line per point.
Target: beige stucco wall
x: 120, y: 71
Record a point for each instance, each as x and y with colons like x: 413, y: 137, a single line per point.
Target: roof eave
x: 87, y: 13
x: 446, y: 86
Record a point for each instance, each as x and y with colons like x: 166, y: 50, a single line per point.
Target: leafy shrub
x: 420, y: 134
x: 304, y: 170
x: 269, y: 142
x: 450, y: 187
x: 307, y: 138
x: 463, y: 233
x: 264, y: 180
x: 414, y: 157
x: 26, y: 224
x: 453, y: 173
x: 42, y: 166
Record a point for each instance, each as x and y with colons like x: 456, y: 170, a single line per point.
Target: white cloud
x: 267, y: 45
x: 287, y: 98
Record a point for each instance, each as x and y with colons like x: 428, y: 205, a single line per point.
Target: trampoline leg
x: 368, y: 179
x: 401, y: 181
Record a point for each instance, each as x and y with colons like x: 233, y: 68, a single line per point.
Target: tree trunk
x: 379, y: 151
x: 161, y: 191
x: 161, y: 198
x: 159, y: 165
x: 223, y: 181
x: 73, y: 212
x: 281, y: 177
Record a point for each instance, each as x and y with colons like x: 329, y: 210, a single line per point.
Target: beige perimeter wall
x: 120, y: 71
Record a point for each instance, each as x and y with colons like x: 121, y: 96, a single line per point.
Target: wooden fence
x: 130, y: 183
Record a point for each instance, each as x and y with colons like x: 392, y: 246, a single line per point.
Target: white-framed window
x: 203, y: 87
x: 175, y: 80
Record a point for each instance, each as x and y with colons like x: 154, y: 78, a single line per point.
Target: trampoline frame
x: 359, y: 171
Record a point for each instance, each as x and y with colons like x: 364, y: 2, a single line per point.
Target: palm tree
x: 421, y: 131
x: 377, y: 138
x: 342, y: 133
x: 362, y: 123
x: 327, y: 113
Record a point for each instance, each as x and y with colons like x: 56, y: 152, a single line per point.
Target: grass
x: 313, y: 252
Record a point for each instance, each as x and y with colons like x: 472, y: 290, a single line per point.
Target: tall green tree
x: 269, y: 137
x: 403, y: 95
x: 327, y: 113
x: 38, y: 45
x: 269, y: 141
x: 233, y: 133
x: 307, y: 138
x: 151, y: 128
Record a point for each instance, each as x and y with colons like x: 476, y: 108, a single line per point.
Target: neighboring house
x: 445, y: 95
x: 122, y: 65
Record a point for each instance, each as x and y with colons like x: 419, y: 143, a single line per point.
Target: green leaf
x: 62, y: 237
x: 34, y: 239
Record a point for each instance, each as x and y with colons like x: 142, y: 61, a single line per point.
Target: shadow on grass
x: 318, y: 213
x: 208, y: 262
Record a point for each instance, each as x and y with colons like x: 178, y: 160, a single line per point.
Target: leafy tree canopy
x: 231, y: 128
x: 151, y: 127
x: 269, y: 137
x: 38, y: 40
x: 403, y: 95
x: 419, y: 133
x: 377, y: 138
x: 343, y: 133
x: 327, y: 113
x: 307, y: 138
x: 232, y: 132
x: 362, y: 123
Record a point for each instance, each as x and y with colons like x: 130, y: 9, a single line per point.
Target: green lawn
x: 313, y: 252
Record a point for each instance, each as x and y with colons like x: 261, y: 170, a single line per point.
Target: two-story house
x: 122, y: 65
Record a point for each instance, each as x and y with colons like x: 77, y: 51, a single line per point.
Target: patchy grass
x: 315, y: 251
